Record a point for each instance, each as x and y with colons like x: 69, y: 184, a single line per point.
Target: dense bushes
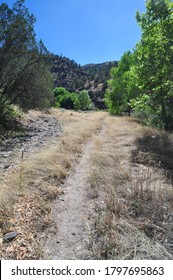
x: 71, y: 100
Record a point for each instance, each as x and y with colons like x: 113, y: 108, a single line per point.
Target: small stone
x: 6, y: 166
x: 8, y: 237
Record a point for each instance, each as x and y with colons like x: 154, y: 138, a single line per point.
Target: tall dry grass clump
x: 134, y: 201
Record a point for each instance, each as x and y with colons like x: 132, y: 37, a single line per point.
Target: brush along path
x: 136, y: 218
x: 28, y: 189
x: 109, y: 199
x: 112, y: 207
x: 73, y: 213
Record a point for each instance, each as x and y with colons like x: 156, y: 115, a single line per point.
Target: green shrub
x: 84, y: 101
x: 71, y: 100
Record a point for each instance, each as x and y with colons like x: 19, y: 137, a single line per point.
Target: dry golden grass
x: 37, y: 180
x: 131, y: 185
x: 136, y: 218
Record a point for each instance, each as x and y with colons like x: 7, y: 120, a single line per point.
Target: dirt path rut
x: 73, y: 213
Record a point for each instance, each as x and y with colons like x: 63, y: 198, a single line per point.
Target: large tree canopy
x: 24, y: 76
x: 145, y: 77
x: 154, y: 60
x: 122, y: 85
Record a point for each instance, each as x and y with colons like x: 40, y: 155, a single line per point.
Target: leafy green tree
x: 154, y: 57
x: 68, y: 100
x: 59, y: 91
x: 83, y: 101
x: 115, y: 97
x: 71, y: 100
x: 24, y: 75
x: 122, y: 86
x: 64, y: 98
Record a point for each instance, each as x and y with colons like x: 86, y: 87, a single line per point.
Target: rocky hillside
x: 67, y: 73
x: 91, y: 77
x: 97, y: 83
x: 99, y: 72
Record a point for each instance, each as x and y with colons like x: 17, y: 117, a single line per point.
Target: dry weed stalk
x: 21, y: 169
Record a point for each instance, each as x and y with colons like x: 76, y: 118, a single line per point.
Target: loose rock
x: 8, y: 237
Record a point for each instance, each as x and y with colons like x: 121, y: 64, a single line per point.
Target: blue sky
x: 88, y: 31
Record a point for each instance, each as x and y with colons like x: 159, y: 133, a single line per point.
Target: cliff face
x: 91, y: 77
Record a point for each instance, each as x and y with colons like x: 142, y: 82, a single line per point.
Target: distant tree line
x: 72, y: 100
x: 24, y: 75
x: 144, y: 77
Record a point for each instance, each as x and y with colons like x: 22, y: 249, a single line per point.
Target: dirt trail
x: 86, y: 194
x: 106, y: 207
x: 76, y: 212
x: 73, y: 213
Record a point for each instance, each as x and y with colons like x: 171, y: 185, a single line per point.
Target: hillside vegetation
x: 75, y: 78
